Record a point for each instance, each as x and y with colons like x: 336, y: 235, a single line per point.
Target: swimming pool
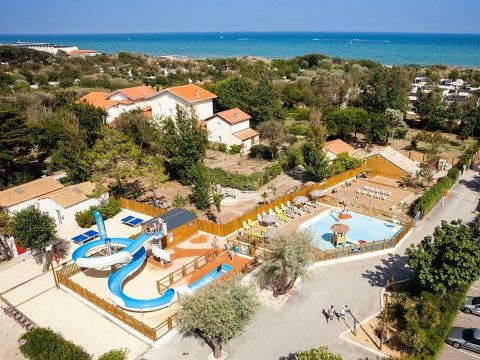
x: 210, y: 277
x: 362, y: 227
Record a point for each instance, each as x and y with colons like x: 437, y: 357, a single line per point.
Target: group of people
x: 154, y: 227
x: 332, y: 313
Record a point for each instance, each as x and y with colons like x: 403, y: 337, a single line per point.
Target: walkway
x: 300, y: 322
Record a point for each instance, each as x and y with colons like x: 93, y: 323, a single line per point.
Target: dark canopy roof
x: 175, y: 218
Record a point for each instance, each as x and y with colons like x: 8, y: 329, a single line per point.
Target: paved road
x: 463, y: 320
x: 300, y: 322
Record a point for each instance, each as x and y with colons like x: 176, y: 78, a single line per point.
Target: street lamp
x: 49, y: 256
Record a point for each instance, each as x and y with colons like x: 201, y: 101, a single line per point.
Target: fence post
x: 195, y: 264
x: 184, y: 271
x: 170, y: 279
x: 169, y: 323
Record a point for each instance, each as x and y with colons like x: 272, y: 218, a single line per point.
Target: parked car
x: 471, y: 305
x: 460, y: 337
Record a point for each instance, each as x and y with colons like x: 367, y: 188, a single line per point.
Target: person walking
x: 342, y: 312
x: 331, y: 313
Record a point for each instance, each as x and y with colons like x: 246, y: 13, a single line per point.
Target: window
x: 219, y: 139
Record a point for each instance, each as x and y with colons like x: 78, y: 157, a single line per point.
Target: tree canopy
x: 317, y: 165
x: 290, y: 258
x: 32, y: 228
x: 218, y: 312
x: 448, y: 259
x: 184, y: 144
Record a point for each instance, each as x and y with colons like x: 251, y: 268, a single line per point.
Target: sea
x: 387, y: 48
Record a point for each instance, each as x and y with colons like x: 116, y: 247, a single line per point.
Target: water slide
x: 135, y: 253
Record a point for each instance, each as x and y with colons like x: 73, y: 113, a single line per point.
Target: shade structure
x: 300, y: 199
x: 317, y: 194
x: 340, y: 228
x: 270, y: 219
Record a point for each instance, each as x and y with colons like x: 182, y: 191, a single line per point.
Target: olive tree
x: 33, y: 229
x: 291, y: 255
x: 218, y: 312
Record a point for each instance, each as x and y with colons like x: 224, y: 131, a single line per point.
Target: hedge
x: 244, y: 182
x: 429, y: 321
x: 432, y: 196
x: 45, y: 344
x: 109, y: 209
x: 117, y: 354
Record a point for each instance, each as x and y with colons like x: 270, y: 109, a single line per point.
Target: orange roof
x: 28, y: 191
x: 191, y: 93
x: 233, y: 116
x: 147, y: 111
x: 135, y: 93
x: 338, y: 146
x: 98, y: 99
x: 72, y: 195
x: 245, y: 134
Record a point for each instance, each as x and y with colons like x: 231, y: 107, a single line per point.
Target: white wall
x: 219, y: 131
x: 165, y: 104
x: 118, y: 97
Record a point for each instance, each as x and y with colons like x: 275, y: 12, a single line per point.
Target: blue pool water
x: 210, y: 277
x: 361, y: 228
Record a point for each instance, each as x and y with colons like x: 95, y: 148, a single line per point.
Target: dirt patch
x: 200, y: 239
x: 235, y: 163
x: 367, y: 334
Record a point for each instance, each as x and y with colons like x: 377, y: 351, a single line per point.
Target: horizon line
x: 246, y: 31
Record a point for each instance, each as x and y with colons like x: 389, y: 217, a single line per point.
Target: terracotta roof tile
x: 233, y: 116
x: 338, y: 146
x: 245, y: 134
x: 135, y: 93
x: 28, y: 191
x: 98, y: 99
x: 72, y: 195
x: 191, y: 93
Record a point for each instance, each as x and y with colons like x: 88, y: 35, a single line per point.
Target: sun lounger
x: 127, y: 219
x: 86, y: 236
x: 133, y: 222
x: 245, y: 225
x: 270, y: 211
x: 251, y: 223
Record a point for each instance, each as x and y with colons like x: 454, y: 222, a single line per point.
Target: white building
x: 121, y: 100
x: 164, y: 103
x: 232, y: 127
x: 49, y: 195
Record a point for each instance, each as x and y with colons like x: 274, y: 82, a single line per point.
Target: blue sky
x: 126, y: 16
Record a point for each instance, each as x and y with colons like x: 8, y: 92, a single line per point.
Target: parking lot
x: 463, y: 320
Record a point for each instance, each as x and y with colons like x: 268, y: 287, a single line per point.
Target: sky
x: 129, y: 16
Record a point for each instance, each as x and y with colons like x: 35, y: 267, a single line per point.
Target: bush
x: 222, y: 147
x: 261, y: 152
x: 399, y: 133
x: 433, y: 195
x: 291, y: 158
x: 235, y: 149
x: 300, y: 114
x: 45, y: 344
x: 116, y: 354
x: 428, y: 319
x: 108, y: 210
x: 320, y: 353
x: 298, y: 129
x: 244, y: 182
x: 179, y: 201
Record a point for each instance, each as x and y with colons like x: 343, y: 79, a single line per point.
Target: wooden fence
x: 232, y: 226
x: 140, y: 207
x: 187, y: 269
x: 64, y: 275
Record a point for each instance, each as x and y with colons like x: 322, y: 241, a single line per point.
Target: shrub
x: 235, y: 149
x: 300, y: 114
x: 179, y: 201
x: 321, y: 353
x: 291, y: 158
x: 244, y: 182
x: 428, y: 319
x: 298, y: 129
x: 399, y: 133
x: 261, y: 152
x: 433, y: 195
x: 116, y: 354
x: 109, y: 209
x: 222, y: 147
x: 45, y: 344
